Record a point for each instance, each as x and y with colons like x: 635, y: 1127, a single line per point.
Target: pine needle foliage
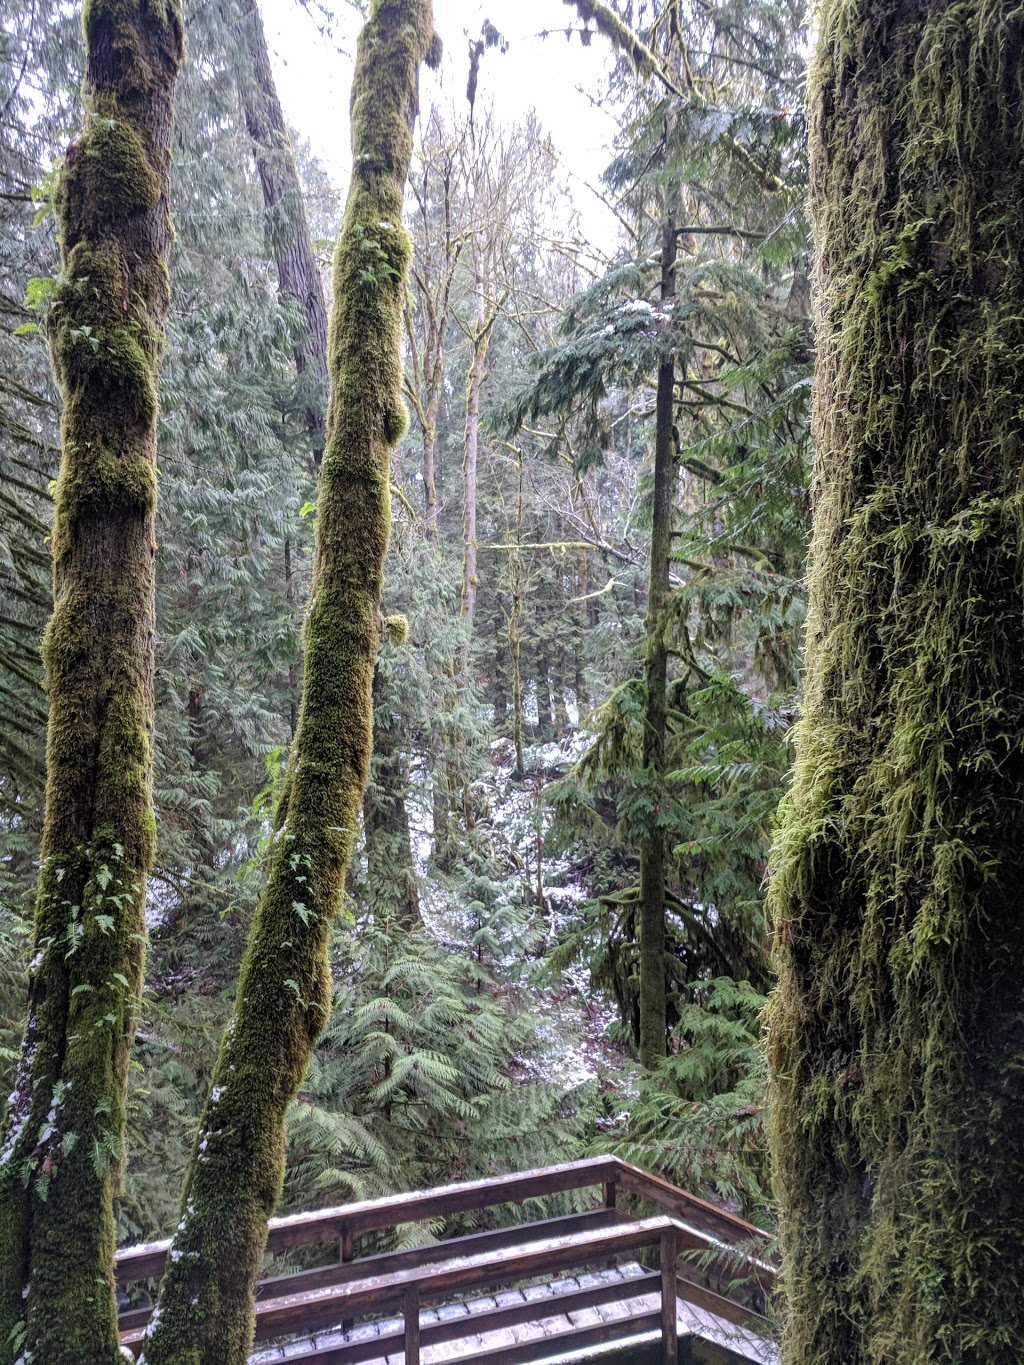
x: 699, y: 1118
x: 720, y: 134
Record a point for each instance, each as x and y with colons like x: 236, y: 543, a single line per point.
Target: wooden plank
x: 445, y: 1199
x: 479, y: 1324
x: 727, y: 1227
x: 474, y: 1244
x: 307, y: 1312
x: 412, y: 1326
x: 326, y: 1307
x: 722, y: 1307
x: 303, y: 1281
x: 302, y: 1229
x: 669, y: 1342
x: 577, y: 1339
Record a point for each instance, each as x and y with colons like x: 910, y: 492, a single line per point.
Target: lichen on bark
x: 65, y: 1123
x: 284, y: 994
x: 896, y: 1034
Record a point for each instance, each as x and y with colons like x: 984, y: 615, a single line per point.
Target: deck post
x: 611, y: 1189
x: 346, y: 1252
x: 412, y: 1326
x: 670, y: 1343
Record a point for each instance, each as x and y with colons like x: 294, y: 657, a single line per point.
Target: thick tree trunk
x: 288, y: 227
x: 284, y: 993
x: 896, y: 1032
x: 653, y: 1009
x: 65, y: 1125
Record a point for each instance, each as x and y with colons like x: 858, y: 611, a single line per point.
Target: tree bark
x: 653, y: 1007
x: 284, y: 995
x: 896, y: 1031
x: 390, y: 870
x: 287, y: 225
x: 65, y: 1125
x: 474, y: 385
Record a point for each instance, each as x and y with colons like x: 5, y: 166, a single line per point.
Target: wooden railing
x: 306, y: 1300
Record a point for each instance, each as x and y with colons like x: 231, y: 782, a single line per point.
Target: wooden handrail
x: 342, y: 1272
x: 316, y: 1309
x: 305, y: 1301
x: 342, y: 1223
x: 328, y: 1225
x: 725, y: 1227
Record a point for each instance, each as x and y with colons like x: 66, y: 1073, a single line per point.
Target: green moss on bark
x: 64, y: 1129
x: 896, y: 1034
x: 284, y: 993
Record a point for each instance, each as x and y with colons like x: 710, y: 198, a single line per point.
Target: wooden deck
x: 588, y: 1302
x: 503, y: 1296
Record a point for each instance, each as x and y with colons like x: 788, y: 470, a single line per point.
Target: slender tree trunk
x: 429, y: 477
x: 584, y: 618
x: 545, y: 717
x: 896, y: 1034
x: 284, y: 994
x: 288, y: 227
x: 652, y: 848
x: 390, y: 871
x: 64, y: 1132
x: 477, y: 372
x: 515, y: 629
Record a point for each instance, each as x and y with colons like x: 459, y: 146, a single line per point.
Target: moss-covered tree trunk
x: 284, y: 994
x: 653, y: 1004
x: 65, y: 1124
x: 897, y: 1029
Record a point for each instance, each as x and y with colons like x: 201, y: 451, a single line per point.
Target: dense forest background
x: 567, y: 598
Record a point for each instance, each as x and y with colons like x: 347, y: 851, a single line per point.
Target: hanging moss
x: 65, y: 1125
x: 896, y: 1034
x: 205, y: 1313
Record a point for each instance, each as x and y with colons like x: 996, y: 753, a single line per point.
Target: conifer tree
x: 653, y: 976
x: 287, y: 224
x: 206, y: 1311
x: 65, y: 1125
x: 896, y: 1036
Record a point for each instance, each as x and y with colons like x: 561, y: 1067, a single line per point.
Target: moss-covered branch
x: 65, y: 1125
x: 284, y: 994
x: 643, y: 59
x: 896, y: 1032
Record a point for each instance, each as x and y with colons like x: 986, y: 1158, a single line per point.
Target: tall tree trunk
x: 429, y: 476
x: 288, y: 227
x: 390, y: 871
x: 65, y: 1126
x: 896, y: 1032
x: 515, y: 627
x: 284, y: 994
x: 474, y: 385
x: 653, y: 1008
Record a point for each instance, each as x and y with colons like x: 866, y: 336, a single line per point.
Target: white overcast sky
x: 547, y: 74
